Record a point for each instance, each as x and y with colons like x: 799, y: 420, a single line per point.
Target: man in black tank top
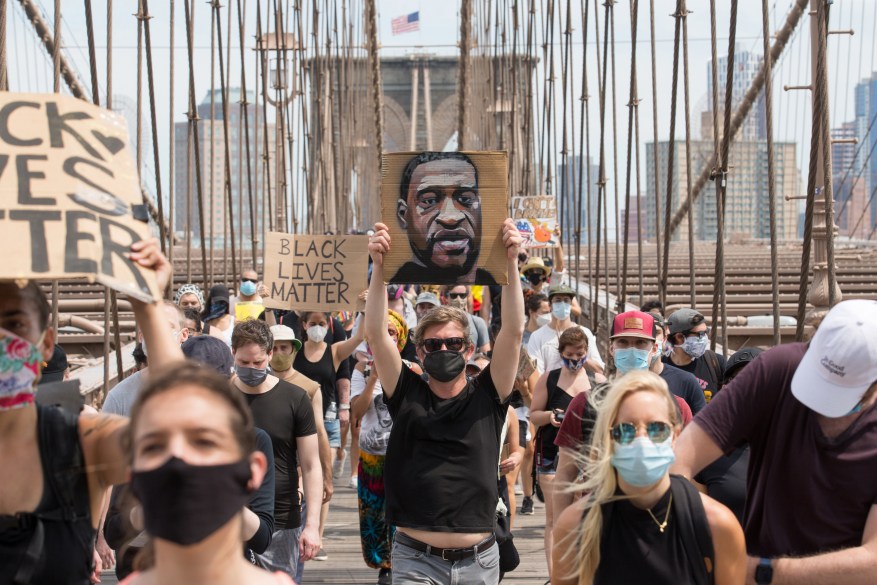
x: 443, y: 452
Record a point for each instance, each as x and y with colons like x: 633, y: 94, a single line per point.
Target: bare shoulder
x: 723, y: 524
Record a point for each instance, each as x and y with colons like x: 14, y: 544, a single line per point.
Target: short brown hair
x: 252, y: 331
x: 574, y: 336
x: 440, y: 316
x: 190, y: 373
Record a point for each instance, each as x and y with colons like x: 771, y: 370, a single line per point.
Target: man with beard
x: 440, y: 209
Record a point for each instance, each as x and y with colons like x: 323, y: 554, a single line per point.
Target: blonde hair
x: 440, y: 316
x: 595, y: 460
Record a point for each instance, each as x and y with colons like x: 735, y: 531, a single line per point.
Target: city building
x: 747, y: 206
x: 211, y: 140
x: 866, y: 132
x: 849, y: 183
x: 746, y: 68
x: 571, y: 183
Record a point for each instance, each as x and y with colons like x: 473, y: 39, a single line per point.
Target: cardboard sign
x: 248, y: 310
x: 69, y: 194
x: 319, y: 273
x: 536, y: 219
x: 445, y: 211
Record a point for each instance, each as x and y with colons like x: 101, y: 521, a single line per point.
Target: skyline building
x: 746, y: 67
x: 571, y: 179
x: 866, y: 132
x: 211, y: 138
x: 848, y: 183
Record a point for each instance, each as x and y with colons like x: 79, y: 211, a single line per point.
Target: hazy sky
x: 850, y: 58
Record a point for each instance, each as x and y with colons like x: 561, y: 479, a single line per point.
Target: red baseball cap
x: 634, y: 324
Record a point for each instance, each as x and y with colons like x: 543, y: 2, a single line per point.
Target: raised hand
x: 511, y: 238
x: 379, y: 244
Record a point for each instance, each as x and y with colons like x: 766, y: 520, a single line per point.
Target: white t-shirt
x: 543, y: 343
x: 374, y: 434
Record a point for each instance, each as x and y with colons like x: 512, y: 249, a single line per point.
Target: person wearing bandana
x: 442, y: 454
x: 59, y: 465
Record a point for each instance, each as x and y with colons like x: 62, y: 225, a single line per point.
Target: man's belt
x: 447, y: 554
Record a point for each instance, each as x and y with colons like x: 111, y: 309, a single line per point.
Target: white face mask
x: 543, y: 319
x: 317, y: 333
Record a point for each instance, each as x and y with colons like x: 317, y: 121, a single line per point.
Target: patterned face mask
x: 19, y: 370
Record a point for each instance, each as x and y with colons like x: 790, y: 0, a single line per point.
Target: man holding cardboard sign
x: 443, y: 451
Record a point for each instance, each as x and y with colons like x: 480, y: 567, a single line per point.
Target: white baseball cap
x: 841, y: 362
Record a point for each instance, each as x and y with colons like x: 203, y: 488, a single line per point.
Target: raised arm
x: 344, y: 349
x: 387, y: 360
x: 507, y: 348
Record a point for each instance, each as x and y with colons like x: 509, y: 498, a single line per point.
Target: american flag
x: 407, y: 23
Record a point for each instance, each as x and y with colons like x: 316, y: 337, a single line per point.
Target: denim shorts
x: 333, y: 429
x: 546, y: 466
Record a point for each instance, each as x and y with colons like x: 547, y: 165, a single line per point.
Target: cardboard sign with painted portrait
x: 445, y: 211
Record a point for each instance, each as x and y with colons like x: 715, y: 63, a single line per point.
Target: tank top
x: 53, y: 544
x: 557, y: 399
x: 322, y: 372
x: 633, y: 550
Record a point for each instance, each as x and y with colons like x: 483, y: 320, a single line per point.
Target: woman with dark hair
x: 639, y: 524
x: 551, y: 398
x: 538, y: 314
x: 194, y: 465
x: 216, y: 318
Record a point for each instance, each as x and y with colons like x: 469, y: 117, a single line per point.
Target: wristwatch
x: 764, y: 572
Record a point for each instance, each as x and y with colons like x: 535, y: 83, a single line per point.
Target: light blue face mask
x: 643, y: 463
x: 631, y: 358
x: 561, y: 310
x: 248, y: 288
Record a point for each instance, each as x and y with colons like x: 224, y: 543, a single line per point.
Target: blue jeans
x: 411, y: 566
x: 300, y: 565
x: 282, y: 553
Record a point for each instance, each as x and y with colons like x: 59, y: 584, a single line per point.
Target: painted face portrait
x: 440, y: 209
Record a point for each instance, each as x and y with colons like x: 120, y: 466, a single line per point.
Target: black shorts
x: 523, y: 427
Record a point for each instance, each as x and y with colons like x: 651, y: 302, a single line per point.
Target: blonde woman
x: 641, y: 525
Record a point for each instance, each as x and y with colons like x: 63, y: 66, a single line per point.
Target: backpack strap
x: 694, y: 529
x: 712, y: 362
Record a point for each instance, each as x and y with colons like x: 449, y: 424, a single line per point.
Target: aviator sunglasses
x: 435, y: 344
x: 624, y: 433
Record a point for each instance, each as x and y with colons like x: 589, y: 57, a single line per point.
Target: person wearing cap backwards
x: 635, y: 344
x: 807, y: 412
x: 542, y: 346
x: 442, y: 454
x: 285, y: 348
x: 690, y: 340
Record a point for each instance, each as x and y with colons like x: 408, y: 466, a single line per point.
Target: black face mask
x: 185, y: 504
x: 444, y: 365
x: 535, y: 278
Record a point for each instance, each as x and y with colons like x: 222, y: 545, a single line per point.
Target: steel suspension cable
x: 193, y: 129
x: 633, y: 100
x: 671, y: 152
x: 771, y: 180
x: 659, y: 279
x: 821, y: 84
x: 687, y: 99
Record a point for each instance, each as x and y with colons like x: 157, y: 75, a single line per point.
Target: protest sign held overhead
x: 444, y: 211
x: 320, y: 273
x: 70, y: 200
x: 536, y: 219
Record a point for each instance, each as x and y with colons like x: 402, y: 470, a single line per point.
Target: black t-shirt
x: 708, y: 369
x: 440, y: 470
x: 684, y: 385
x: 725, y: 480
x: 285, y: 413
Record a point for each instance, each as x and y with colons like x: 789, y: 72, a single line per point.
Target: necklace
x: 662, y: 525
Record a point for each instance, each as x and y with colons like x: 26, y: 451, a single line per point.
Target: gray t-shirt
x: 121, y: 398
x: 478, y: 330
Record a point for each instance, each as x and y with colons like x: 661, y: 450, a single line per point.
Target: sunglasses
x: 699, y: 334
x: 253, y: 280
x: 458, y: 295
x: 436, y: 343
x: 625, y: 433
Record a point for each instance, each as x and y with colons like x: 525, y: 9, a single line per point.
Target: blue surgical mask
x: 561, y: 310
x: 631, y: 358
x: 695, y: 346
x: 248, y: 288
x: 573, y: 365
x: 643, y: 463
x: 251, y: 376
x: 856, y: 409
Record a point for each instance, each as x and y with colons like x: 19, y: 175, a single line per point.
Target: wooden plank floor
x: 346, y: 566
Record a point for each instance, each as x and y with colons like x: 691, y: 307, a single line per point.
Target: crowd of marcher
x: 458, y: 407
